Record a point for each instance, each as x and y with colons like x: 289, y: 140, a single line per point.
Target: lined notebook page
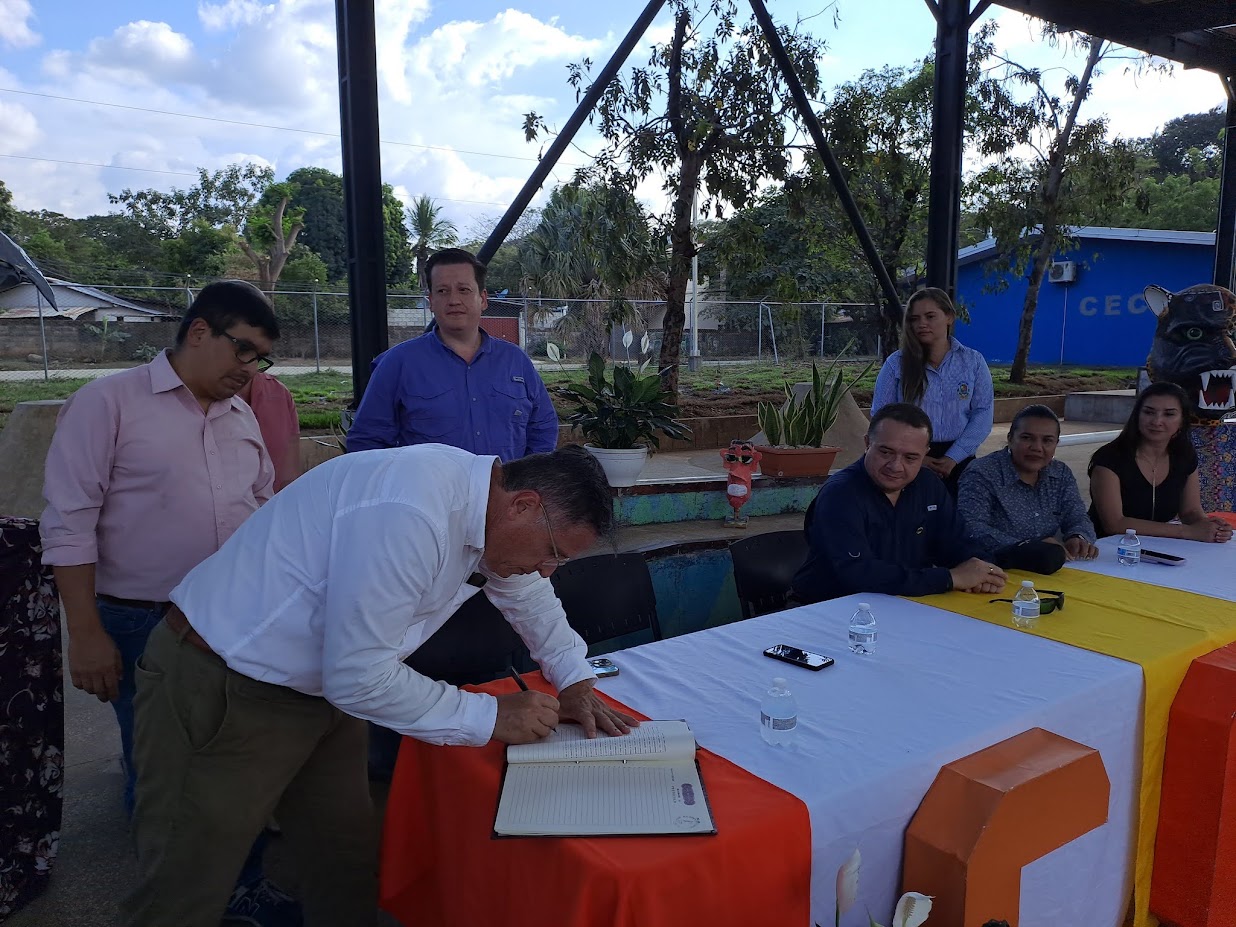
x: 652, y: 740
x: 581, y: 799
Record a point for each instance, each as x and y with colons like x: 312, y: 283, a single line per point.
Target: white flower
x: 847, y: 883
x: 912, y: 910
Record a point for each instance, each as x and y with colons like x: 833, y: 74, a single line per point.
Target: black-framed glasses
x: 1049, y: 601
x: 558, y: 560
x: 729, y: 457
x: 246, y: 353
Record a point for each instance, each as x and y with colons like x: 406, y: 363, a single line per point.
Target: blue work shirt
x: 958, y: 397
x: 422, y: 392
x: 860, y: 542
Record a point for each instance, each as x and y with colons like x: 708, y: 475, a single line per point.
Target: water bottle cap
x: 1025, y: 583
x: 864, y: 605
x: 779, y: 681
x: 1128, y: 531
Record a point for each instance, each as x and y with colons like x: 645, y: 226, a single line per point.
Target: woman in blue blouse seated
x: 940, y: 375
x: 1147, y: 477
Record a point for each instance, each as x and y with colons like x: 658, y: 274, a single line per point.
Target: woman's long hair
x: 1179, y: 448
x: 913, y: 363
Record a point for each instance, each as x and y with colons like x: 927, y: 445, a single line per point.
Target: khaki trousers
x: 218, y: 753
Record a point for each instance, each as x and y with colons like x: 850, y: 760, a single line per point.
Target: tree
x: 270, y: 233
x: 1175, y: 202
x: 429, y: 232
x: 8, y: 215
x: 395, y: 238
x: 221, y: 198
x: 1189, y: 144
x: 723, y: 122
x: 1074, y: 171
x: 319, y: 193
x: 593, y: 243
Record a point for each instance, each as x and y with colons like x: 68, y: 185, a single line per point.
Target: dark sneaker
x: 262, y: 904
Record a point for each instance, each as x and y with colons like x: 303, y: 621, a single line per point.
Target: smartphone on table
x: 604, y: 667
x: 1155, y: 556
x: 798, y: 656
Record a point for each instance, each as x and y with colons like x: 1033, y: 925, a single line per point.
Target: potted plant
x: 795, y: 431
x: 620, y: 415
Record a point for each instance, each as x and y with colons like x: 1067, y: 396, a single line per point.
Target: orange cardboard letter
x: 989, y: 814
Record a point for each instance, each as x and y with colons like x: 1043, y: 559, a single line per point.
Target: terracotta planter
x: 796, y: 461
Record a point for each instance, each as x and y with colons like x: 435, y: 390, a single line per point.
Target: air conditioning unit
x: 1062, y: 272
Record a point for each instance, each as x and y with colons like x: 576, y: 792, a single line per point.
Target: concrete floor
x: 96, y: 864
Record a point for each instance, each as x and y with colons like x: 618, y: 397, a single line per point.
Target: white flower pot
x: 622, y: 467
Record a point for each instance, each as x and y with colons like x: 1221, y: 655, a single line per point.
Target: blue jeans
x: 129, y: 628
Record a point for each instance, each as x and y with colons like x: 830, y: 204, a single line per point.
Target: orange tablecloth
x: 442, y: 866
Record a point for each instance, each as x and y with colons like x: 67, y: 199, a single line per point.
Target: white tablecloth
x: 1209, y: 569
x: 874, y: 731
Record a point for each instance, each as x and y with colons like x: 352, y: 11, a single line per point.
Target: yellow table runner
x: 1161, y: 629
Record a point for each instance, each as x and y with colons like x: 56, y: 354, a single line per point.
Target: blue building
x: 1091, y: 310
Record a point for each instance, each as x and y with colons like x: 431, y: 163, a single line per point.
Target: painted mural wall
x: 1100, y: 320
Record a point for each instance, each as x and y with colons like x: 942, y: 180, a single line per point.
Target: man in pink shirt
x: 275, y: 410
x: 149, y: 472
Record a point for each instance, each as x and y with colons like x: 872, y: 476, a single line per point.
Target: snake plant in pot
x: 620, y: 416
x: 795, y: 430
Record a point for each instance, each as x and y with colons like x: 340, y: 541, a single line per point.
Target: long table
x: 874, y: 731
x: 1209, y: 569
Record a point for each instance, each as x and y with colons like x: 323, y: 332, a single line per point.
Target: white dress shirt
x: 330, y: 585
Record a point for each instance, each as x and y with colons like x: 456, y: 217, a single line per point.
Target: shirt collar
x: 165, y: 379
x: 478, y: 505
x: 485, y: 339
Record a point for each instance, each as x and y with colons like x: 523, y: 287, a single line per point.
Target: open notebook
x: 645, y: 782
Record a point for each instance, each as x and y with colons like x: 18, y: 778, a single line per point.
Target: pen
x: 510, y: 671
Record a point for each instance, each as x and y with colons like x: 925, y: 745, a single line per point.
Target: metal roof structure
x: 72, y: 301
x: 982, y: 249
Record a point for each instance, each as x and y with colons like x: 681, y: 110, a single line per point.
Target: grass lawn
x: 712, y: 390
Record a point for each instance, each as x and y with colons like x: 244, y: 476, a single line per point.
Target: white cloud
x: 218, y: 17
x: 21, y: 129
x: 16, y: 32
x: 152, y: 49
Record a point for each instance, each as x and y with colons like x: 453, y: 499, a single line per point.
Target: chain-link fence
x: 103, y: 328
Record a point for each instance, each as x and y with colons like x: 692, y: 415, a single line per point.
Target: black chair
x: 608, y: 596
x: 764, y: 567
x: 475, y: 645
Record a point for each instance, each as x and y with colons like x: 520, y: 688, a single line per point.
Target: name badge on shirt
x: 931, y: 508
x: 517, y: 379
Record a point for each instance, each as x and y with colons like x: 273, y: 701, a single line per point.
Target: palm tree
x: 428, y: 231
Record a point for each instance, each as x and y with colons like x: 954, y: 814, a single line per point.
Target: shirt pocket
x: 510, y: 410
x: 429, y: 416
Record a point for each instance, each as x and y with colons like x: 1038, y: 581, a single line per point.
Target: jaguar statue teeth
x: 1193, y: 346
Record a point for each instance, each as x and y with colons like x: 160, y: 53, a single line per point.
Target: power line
x: 261, y: 125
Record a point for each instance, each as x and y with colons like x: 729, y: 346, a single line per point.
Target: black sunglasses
x: 735, y: 458
x: 1049, y: 601
x: 248, y: 354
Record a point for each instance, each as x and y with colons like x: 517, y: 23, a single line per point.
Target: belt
x: 177, y: 621
x: 146, y: 604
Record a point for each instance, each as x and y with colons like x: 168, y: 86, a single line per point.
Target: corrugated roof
x: 73, y: 299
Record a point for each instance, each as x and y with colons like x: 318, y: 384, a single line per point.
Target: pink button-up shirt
x: 145, y: 485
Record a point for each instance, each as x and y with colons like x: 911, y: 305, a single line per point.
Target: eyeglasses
x: 557, y: 560
x: 729, y: 457
x: 1049, y: 601
x: 248, y: 354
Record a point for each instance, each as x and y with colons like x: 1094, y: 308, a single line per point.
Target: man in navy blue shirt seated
x: 455, y: 384
x: 885, y: 524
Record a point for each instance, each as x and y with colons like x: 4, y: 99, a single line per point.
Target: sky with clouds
x: 99, y: 96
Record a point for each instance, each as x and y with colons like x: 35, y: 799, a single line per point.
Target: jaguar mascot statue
x: 1193, y: 348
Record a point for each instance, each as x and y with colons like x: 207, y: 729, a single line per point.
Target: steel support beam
x: 947, y: 137
x: 362, y: 185
x: 892, y: 300
x: 567, y: 134
x: 1225, y: 238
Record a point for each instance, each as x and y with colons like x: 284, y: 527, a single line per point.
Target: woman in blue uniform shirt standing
x: 940, y: 375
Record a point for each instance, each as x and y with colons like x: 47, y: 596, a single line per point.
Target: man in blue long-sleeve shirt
x: 884, y: 524
x: 456, y: 385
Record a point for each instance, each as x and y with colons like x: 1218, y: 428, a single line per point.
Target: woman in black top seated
x: 1148, y: 475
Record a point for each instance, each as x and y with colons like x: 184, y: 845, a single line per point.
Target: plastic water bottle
x: 778, y: 715
x: 863, y: 630
x: 1129, y: 550
x: 1026, y: 606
